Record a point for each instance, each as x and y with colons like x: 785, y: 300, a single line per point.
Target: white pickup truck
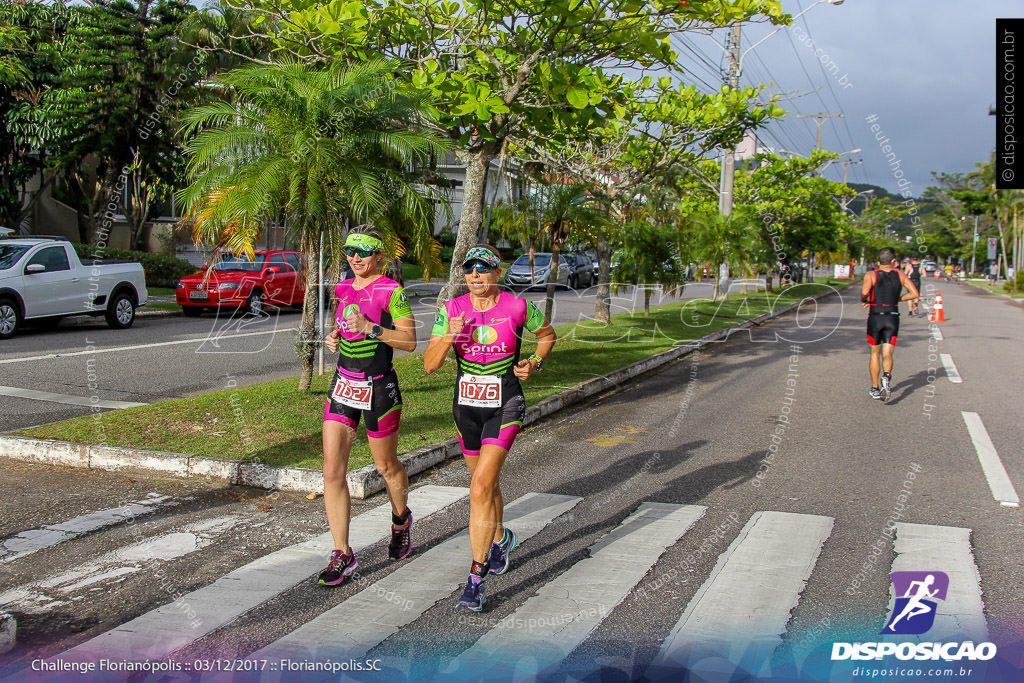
x: 42, y: 280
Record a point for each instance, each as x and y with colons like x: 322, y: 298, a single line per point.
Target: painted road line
x: 952, y: 374
x: 998, y: 481
x: 28, y: 542
x: 742, y: 609
x: 366, y: 619
x: 936, y: 333
x: 209, y: 338
x: 34, y: 395
x: 547, y: 627
x: 101, y: 573
x: 167, y: 629
x: 920, y: 547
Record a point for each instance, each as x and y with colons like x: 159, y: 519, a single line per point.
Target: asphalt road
x: 697, y: 433
x: 82, y: 361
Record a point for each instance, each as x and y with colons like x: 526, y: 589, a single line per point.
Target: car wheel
x: 192, y: 311
x: 121, y: 311
x: 10, y: 318
x: 254, y: 304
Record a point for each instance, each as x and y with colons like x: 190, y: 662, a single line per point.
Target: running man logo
x: 485, y: 335
x: 916, y: 595
x: 351, y: 309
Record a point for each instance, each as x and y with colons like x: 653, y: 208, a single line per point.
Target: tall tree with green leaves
x: 127, y: 76
x: 318, y: 147
x: 795, y: 211
x: 526, y: 71
x: 32, y: 57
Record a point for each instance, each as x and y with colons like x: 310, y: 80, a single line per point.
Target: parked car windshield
x: 233, y: 262
x: 539, y: 260
x: 10, y: 254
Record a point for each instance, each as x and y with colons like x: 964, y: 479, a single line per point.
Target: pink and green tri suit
x: 365, y: 382
x: 488, y: 404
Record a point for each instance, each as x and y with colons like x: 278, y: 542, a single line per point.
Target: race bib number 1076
x: 480, y: 391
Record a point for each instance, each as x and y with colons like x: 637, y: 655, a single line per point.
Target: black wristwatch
x: 375, y: 332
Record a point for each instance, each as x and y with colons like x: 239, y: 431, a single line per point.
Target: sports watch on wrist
x: 375, y: 332
x: 540, y: 362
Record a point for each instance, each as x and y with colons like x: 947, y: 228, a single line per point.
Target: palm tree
x: 557, y: 210
x: 649, y: 258
x: 317, y: 146
x: 719, y: 239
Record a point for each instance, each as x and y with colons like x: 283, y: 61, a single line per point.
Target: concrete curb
x: 364, y: 481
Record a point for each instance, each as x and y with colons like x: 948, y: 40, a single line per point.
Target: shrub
x: 161, y: 270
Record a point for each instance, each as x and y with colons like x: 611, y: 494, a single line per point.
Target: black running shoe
x: 500, y: 551
x: 340, y: 566
x: 401, y: 543
x: 875, y: 393
x: 473, y: 597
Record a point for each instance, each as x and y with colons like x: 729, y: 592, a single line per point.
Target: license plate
x: 353, y: 394
x: 198, y: 295
x: 480, y: 391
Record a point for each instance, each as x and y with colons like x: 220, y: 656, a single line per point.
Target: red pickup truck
x: 271, y: 277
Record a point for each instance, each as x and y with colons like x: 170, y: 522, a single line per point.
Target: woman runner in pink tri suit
x: 374, y: 317
x: 485, y: 327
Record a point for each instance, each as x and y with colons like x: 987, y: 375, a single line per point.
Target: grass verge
x: 997, y: 289
x: 274, y: 423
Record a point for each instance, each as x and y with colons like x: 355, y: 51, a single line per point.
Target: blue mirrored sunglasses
x: 479, y: 266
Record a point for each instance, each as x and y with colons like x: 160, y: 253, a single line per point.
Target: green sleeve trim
x: 440, y: 322
x: 534, y: 318
x: 399, y: 304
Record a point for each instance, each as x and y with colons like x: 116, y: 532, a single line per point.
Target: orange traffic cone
x: 937, y: 315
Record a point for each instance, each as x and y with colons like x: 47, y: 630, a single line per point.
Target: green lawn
x: 160, y: 291
x: 997, y: 289
x: 273, y: 423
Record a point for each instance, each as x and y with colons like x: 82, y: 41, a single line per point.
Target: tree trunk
x: 602, y: 302
x: 647, y: 300
x: 477, y: 165
x: 307, y: 341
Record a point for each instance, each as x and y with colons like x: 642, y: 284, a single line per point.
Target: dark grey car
x: 583, y: 274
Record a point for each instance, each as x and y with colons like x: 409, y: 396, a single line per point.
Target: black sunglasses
x: 479, y: 266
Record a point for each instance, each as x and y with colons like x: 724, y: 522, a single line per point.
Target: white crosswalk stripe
x: 550, y: 625
x: 923, y: 547
x: 369, y: 617
x: 115, y: 566
x: 28, y: 542
x: 741, y: 611
x: 159, y: 633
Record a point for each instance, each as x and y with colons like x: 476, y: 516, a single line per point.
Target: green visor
x: 366, y: 242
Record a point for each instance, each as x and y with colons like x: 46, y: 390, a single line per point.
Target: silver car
x: 519, y: 275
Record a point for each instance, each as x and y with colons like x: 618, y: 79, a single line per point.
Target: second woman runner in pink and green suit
x: 485, y: 328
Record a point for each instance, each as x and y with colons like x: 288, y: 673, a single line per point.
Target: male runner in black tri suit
x: 881, y: 294
x: 913, y: 271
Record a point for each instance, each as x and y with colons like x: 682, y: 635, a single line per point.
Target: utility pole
x: 846, y: 167
x: 729, y: 159
x: 821, y: 119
